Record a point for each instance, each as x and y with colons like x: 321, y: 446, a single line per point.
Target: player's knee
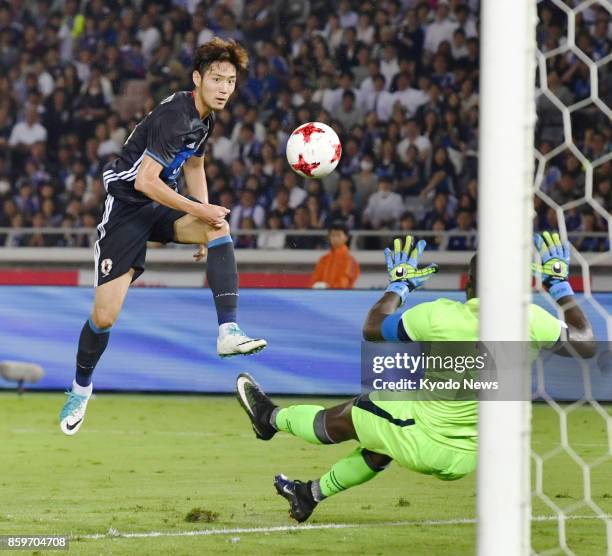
x: 338, y: 423
x: 224, y: 230
x: 375, y: 461
x: 103, y: 318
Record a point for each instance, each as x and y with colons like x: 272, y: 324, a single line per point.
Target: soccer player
x: 143, y: 204
x: 436, y: 438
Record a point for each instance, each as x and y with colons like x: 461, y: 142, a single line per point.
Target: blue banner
x: 165, y: 339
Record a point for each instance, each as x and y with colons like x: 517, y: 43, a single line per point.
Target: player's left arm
x: 404, y: 276
x: 195, y: 178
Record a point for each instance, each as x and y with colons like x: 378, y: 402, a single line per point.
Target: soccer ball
x: 313, y: 150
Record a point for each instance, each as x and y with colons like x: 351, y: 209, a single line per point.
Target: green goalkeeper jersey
x: 454, y: 422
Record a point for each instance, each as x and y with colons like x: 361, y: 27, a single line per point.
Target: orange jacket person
x: 337, y: 268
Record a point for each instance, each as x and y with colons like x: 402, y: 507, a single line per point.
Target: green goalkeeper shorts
x: 388, y: 427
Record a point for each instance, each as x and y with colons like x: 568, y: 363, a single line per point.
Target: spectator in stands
x: 442, y: 175
x: 344, y: 210
x: 281, y: 208
x: 439, y: 30
x: 410, y: 175
x: 603, y: 194
x: 439, y: 212
x: 379, y: 100
x: 565, y: 190
x: 24, y: 134
x: 465, y: 223
x: 247, y: 208
x: 297, y: 195
x: 336, y: 269
x: 384, y: 207
x: 438, y: 241
x: 246, y: 241
x: 273, y: 237
x: 248, y: 145
x: 17, y: 238
x: 389, y: 64
x: 407, y: 222
x: 9, y: 209
x: 348, y: 114
x: 586, y: 242
x: 411, y: 136
x: 316, y: 214
x: 366, y: 181
x: 412, y: 66
x: 301, y: 222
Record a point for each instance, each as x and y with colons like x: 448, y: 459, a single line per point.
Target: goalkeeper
x: 436, y: 438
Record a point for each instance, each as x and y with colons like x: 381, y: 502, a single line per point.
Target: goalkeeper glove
x: 402, y: 265
x: 554, y: 269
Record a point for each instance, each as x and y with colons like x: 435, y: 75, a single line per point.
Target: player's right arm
x: 149, y: 183
x: 554, y: 272
x: 404, y: 277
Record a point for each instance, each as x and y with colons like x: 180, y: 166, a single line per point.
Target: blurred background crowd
x: 397, y: 79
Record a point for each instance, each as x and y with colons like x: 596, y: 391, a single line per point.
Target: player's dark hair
x: 219, y: 50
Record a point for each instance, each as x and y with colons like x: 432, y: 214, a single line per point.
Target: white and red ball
x: 313, y: 150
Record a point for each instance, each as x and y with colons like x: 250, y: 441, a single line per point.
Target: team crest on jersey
x: 106, y: 266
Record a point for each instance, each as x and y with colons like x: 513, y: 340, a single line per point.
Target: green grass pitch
x: 142, y: 464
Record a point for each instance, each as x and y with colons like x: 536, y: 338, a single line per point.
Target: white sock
x: 82, y: 390
x: 224, y: 328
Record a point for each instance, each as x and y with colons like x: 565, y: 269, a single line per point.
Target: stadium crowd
x: 397, y: 79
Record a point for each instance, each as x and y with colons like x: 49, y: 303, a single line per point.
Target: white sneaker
x: 233, y: 341
x: 73, y: 412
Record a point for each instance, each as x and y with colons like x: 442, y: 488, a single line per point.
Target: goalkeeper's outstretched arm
x: 554, y: 272
x: 385, y: 306
x: 404, y: 277
x: 579, y: 331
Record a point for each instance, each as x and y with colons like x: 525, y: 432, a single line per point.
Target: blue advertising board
x: 165, y: 339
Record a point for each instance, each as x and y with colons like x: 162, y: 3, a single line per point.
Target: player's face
x: 217, y: 85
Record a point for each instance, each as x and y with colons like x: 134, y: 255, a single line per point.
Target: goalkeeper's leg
x: 312, y: 423
x: 356, y: 468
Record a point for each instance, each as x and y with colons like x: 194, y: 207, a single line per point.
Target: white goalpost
x: 507, y: 119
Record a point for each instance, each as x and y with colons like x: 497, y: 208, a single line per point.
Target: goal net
x: 571, y: 446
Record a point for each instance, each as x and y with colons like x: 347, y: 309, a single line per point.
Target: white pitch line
x: 133, y: 432
x: 113, y: 534
x: 139, y: 432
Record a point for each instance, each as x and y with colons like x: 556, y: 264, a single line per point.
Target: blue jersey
x: 171, y: 133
